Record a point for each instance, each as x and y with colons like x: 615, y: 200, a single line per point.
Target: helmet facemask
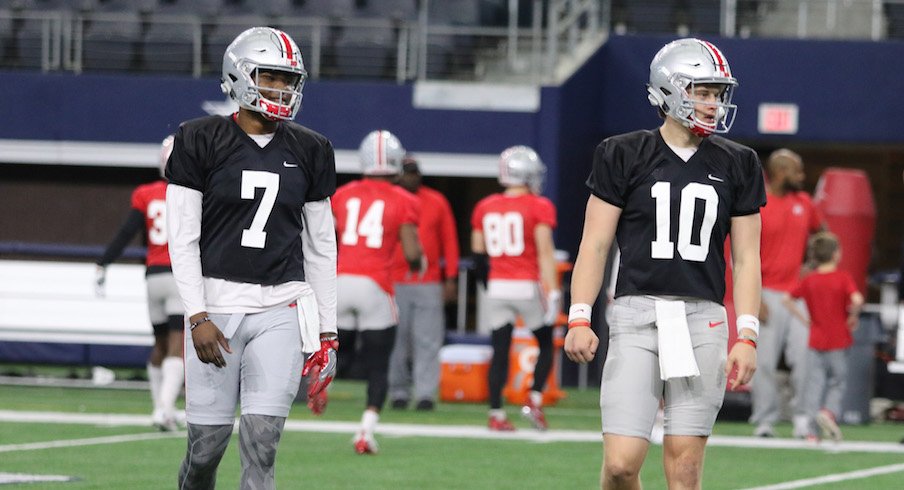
x: 281, y: 103
x: 687, y: 111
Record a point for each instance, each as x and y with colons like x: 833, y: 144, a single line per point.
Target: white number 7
x: 255, y: 236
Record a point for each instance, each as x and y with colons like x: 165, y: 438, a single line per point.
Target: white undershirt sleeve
x: 318, y: 240
x: 183, y: 223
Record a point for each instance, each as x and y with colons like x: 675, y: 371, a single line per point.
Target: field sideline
x: 95, y: 438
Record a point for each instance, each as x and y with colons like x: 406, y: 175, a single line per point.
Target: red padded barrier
x: 845, y: 198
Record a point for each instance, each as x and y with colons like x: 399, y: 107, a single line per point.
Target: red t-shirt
x: 150, y: 201
x: 508, y: 224
x: 787, y: 223
x: 439, y: 239
x: 369, y: 214
x: 827, y: 295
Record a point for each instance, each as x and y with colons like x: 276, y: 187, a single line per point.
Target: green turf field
x: 95, y: 455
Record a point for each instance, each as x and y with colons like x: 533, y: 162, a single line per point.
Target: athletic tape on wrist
x: 748, y: 321
x: 579, y: 310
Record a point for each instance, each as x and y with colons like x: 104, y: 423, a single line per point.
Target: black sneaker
x: 400, y: 404
x: 425, y: 405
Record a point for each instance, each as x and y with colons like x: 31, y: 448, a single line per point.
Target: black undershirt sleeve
x: 133, y: 224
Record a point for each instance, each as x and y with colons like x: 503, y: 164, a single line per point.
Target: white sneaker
x: 826, y: 421
x: 764, y: 430
x: 163, y: 421
x: 801, y: 427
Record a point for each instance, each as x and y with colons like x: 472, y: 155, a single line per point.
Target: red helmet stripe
x: 287, y: 44
x: 718, y: 58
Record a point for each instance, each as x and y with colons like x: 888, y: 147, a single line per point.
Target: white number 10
x: 662, y: 248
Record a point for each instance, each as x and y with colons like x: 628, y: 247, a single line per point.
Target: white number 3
x: 661, y: 247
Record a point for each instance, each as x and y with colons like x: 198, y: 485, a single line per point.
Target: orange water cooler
x: 522, y: 359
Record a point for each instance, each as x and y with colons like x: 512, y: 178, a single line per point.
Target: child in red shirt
x: 834, y: 303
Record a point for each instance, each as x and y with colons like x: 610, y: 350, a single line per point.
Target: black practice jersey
x: 251, y: 217
x: 675, y: 214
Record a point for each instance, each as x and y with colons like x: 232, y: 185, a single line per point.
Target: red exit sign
x: 777, y: 119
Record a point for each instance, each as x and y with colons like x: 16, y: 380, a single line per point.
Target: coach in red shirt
x: 414, y: 367
x: 789, y: 218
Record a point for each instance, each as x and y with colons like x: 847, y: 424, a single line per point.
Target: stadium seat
x: 29, y: 43
x: 139, y: 6
x: 400, y: 10
x: 67, y: 5
x: 203, y: 8
x: 894, y: 14
x: 110, y: 44
x: 16, y: 5
x: 440, y: 51
x: 328, y: 8
x: 6, y: 31
x: 365, y: 51
x: 272, y: 8
x: 655, y: 16
x: 454, y: 12
x: 704, y: 16
x: 168, y: 47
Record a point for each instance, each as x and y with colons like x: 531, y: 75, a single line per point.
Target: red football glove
x: 321, y: 366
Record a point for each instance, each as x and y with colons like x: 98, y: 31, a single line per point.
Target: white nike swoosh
x: 711, y: 177
x: 289, y: 165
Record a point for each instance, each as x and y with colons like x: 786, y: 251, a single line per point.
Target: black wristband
x: 192, y: 326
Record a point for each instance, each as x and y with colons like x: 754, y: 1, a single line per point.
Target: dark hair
x: 823, y: 246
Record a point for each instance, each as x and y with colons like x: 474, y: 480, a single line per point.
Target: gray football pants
x: 783, y: 332
x: 414, y: 365
x: 826, y: 380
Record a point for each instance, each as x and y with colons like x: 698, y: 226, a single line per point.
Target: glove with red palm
x: 320, y: 367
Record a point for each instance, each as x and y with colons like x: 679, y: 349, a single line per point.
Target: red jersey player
x: 165, y: 366
x: 514, y: 229
x: 373, y: 216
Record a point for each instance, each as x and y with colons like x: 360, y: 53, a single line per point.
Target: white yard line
x: 837, y: 477
x: 33, y: 446
x: 455, y: 431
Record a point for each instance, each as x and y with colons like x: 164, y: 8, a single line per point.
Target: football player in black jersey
x: 669, y: 197
x: 253, y: 251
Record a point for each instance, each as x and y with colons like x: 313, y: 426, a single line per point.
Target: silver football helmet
x: 166, y: 149
x: 381, y: 153
x: 520, y: 165
x: 261, y: 49
x: 676, y: 69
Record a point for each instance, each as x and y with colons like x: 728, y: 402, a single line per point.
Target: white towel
x: 308, y: 322
x: 676, y: 352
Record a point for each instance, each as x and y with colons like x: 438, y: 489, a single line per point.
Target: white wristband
x: 579, y: 310
x: 748, y: 321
